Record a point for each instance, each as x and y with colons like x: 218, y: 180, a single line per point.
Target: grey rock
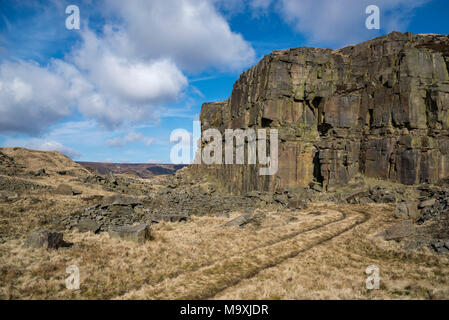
x: 440, y: 246
x: 297, y: 204
x: 8, y: 195
x: 398, y: 231
x: 169, y: 217
x: 427, y: 203
x: 86, y: 225
x: 405, y: 210
x: 365, y: 200
x: 138, y: 234
x: 45, y: 239
x: 64, y: 189
x: 239, y: 221
x: 222, y: 214
x: 118, y: 199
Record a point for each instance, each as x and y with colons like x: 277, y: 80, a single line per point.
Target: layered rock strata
x: 379, y: 108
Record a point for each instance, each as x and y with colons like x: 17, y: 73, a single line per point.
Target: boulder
x: 8, y: 195
x: 64, y: 189
x: 45, y: 239
x: 297, y: 204
x: 239, y: 221
x: 427, y: 203
x: 399, y: 231
x: 407, y: 210
x: 39, y: 173
x: 157, y: 217
x: 86, y: 225
x: 138, y: 234
x: 222, y: 214
x: 440, y: 246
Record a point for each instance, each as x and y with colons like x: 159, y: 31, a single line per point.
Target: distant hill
x: 143, y: 170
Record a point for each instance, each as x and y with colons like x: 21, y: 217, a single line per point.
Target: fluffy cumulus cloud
x: 127, y: 88
x: 343, y: 22
x: 33, y: 97
x: 125, y: 71
x: 190, y: 32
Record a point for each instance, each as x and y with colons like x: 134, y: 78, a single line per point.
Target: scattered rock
x: 224, y: 214
x: 86, y: 225
x: 8, y: 195
x: 427, y: 203
x: 39, y: 173
x: 118, y: 199
x: 405, y: 210
x: 169, y: 217
x: 297, y: 204
x: 46, y: 239
x: 64, y: 189
x: 398, y: 231
x: 239, y: 221
x: 357, y: 196
x: 281, y: 198
x: 441, y: 246
x: 139, y: 234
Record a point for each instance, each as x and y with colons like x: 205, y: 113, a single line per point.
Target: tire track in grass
x: 208, y: 281
x: 318, y: 223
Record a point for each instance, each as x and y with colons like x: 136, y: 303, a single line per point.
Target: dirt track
x: 210, y: 280
x: 318, y: 253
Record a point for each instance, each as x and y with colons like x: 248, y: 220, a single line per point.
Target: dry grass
x: 288, y: 256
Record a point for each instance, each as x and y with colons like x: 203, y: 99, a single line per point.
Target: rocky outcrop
x: 46, y: 239
x: 380, y: 108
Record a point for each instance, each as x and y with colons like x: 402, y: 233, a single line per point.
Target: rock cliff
x: 379, y: 108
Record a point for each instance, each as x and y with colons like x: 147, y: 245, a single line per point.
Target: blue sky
x: 116, y: 88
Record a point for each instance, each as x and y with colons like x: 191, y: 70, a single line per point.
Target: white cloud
x: 33, y: 97
x: 192, y: 33
x: 124, y: 73
x: 343, y: 22
x: 128, y: 90
x: 129, y: 138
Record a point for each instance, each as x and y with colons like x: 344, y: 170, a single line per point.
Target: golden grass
x: 290, y: 255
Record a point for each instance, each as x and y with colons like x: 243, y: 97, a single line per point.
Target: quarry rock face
x: 379, y: 108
